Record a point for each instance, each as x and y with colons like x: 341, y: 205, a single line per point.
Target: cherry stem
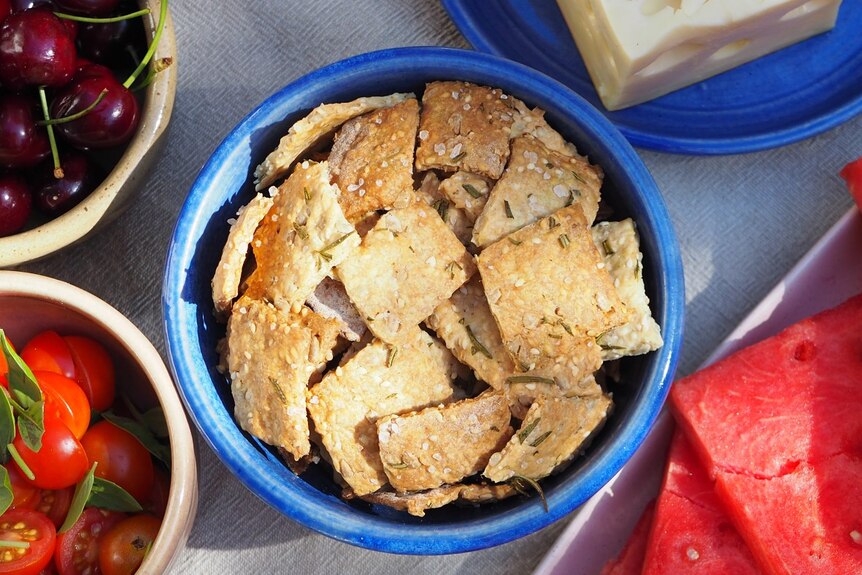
x: 58, y: 170
x: 110, y: 20
x: 28, y: 473
x: 158, y: 65
x: 76, y: 115
x: 163, y: 15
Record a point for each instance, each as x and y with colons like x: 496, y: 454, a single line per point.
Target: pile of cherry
x: 61, y: 103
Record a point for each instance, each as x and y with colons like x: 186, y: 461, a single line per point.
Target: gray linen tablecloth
x: 742, y: 222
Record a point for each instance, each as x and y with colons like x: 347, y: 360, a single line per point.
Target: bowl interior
x: 224, y: 185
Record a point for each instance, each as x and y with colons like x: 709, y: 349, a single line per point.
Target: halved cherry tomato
x: 94, y: 371
x: 852, y: 174
x: 123, y: 548
x: 121, y: 457
x: 32, y: 527
x: 157, y: 500
x: 66, y: 399
x: 78, y: 548
x: 49, y: 352
x: 55, y: 503
x: 60, y: 462
x: 24, y: 494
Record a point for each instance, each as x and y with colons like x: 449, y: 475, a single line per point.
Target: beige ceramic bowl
x: 31, y: 303
x: 115, y: 193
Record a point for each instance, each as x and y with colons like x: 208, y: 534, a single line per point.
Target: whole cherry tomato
x: 24, y: 494
x: 157, y: 500
x: 123, y: 548
x: 49, y: 352
x: 61, y: 462
x: 121, y: 458
x: 29, y: 526
x: 852, y: 174
x: 65, y: 399
x: 78, y: 548
x: 94, y: 371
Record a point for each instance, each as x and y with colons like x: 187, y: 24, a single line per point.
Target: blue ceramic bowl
x: 224, y: 184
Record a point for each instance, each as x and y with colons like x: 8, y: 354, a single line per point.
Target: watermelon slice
x: 779, y: 427
x: 631, y: 558
x: 691, y: 533
x: 852, y: 173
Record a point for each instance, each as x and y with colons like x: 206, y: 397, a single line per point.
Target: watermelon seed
x: 692, y: 554
x: 856, y: 537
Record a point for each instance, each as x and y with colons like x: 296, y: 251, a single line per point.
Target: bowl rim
x: 182, y: 499
x: 78, y: 222
x: 386, y: 536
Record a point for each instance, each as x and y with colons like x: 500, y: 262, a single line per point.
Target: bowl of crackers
x: 424, y: 300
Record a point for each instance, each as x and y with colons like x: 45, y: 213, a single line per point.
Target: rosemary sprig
x: 470, y: 189
x: 508, y: 210
x: 278, y: 390
x: 525, y: 433
x: 459, y: 157
x: 451, y: 268
x: 324, y: 253
x: 477, y: 345
x: 300, y: 230
x: 390, y: 355
x: 578, y: 177
x: 538, y: 441
x: 442, y: 208
x: 564, y: 240
x: 530, y: 379
x: 552, y: 223
x: 607, y: 247
x: 518, y: 482
x: 514, y: 241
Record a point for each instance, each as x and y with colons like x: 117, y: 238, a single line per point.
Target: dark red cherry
x: 85, y: 69
x: 112, y: 122
x: 15, y: 204
x: 57, y: 196
x: 22, y: 142
x: 5, y: 9
x: 71, y: 28
x: 35, y: 50
x: 21, y: 5
x: 88, y: 7
x: 105, y: 43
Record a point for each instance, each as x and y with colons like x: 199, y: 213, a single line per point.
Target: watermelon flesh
x: 778, y: 426
x: 852, y: 173
x: 631, y: 558
x: 691, y: 533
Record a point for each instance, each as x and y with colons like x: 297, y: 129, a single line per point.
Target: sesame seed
x: 437, y: 457
x: 231, y: 221
x: 456, y: 149
x: 378, y: 182
x: 423, y: 135
x: 600, y: 265
x: 466, y: 107
x: 385, y: 164
x: 440, y: 148
x: 519, y: 282
x: 560, y: 191
x: 455, y: 94
x: 425, y: 445
x: 352, y: 187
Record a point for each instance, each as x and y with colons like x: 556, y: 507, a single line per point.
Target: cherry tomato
x: 852, y: 174
x: 60, y: 462
x: 4, y: 368
x: 123, y: 548
x: 55, y: 503
x: 157, y: 500
x: 23, y: 494
x: 121, y: 457
x: 65, y: 399
x: 78, y: 548
x: 32, y: 527
x: 94, y: 371
x: 49, y: 352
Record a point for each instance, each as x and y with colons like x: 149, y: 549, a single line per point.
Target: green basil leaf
x: 20, y: 377
x: 7, y: 426
x: 108, y: 495
x: 154, y: 419
x: 6, y: 496
x: 31, y: 425
x: 144, y: 435
x: 79, y: 500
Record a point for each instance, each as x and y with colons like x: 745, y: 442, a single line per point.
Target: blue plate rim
x: 387, y: 536
x: 814, y: 126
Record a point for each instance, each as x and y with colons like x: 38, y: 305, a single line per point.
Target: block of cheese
x: 637, y: 50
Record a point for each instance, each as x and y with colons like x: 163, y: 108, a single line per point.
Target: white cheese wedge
x: 637, y: 50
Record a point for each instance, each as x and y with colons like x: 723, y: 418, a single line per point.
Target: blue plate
x: 792, y: 94
x: 224, y: 184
